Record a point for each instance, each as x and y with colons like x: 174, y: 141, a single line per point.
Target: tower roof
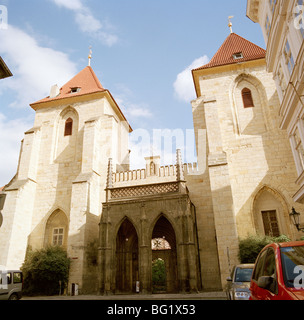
x: 234, y: 51
x: 85, y: 82
x: 85, y: 85
x: 233, y: 45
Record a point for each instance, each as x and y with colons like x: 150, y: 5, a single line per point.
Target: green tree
x: 159, y: 275
x: 250, y: 247
x: 45, y: 271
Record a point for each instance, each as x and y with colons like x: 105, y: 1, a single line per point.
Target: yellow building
x: 74, y: 188
x: 282, y: 24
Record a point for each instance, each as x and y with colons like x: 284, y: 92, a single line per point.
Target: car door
x: 269, y: 270
x: 258, y: 271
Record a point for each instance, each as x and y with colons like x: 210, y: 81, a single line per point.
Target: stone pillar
x: 191, y: 251
x: 109, y: 179
x: 105, y: 251
x: 145, y: 259
x: 223, y: 207
x: 182, y: 249
x: 179, y: 166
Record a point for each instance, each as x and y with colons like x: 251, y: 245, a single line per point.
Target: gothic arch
x: 119, y: 224
x: 163, y: 229
x: 240, y: 119
x: 171, y: 221
x: 126, y: 256
x: 65, y: 144
x: 56, y: 229
x: 265, y: 200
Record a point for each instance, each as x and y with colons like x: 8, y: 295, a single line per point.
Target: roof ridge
x: 235, y: 43
x: 98, y: 83
x: 86, y: 80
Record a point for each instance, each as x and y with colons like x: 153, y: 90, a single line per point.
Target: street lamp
x: 296, y: 219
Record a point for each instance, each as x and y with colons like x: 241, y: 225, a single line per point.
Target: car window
x: 292, y: 263
x: 17, y: 277
x: 269, y: 270
x: 243, y: 274
x: 269, y: 266
x: 258, y: 271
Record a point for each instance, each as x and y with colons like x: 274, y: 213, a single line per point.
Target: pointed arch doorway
x: 164, y: 258
x: 127, y: 271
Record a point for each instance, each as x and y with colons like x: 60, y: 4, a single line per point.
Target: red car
x: 279, y: 272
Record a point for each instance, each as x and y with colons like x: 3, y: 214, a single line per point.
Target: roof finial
x: 90, y: 56
x: 230, y: 23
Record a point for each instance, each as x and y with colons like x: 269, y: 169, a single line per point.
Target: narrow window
x: 299, y: 18
x: 247, y: 98
x: 272, y: 4
x: 68, y: 129
x: 289, y: 60
x: 58, y: 237
x: 299, y: 147
x: 267, y: 26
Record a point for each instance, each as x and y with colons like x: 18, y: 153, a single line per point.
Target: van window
x: 17, y: 277
x: 8, y: 277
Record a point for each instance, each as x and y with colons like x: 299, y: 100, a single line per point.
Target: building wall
x: 283, y: 29
x: 250, y: 164
x: 65, y: 174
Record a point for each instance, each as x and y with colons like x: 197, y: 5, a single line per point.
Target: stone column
x: 144, y: 253
x: 222, y: 199
x: 191, y: 250
x: 105, y: 252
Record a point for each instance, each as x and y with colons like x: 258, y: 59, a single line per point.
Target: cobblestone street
x: 199, y: 296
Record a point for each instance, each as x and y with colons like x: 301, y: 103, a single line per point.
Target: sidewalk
x: 199, y: 296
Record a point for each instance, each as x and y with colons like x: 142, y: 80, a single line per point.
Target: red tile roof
x: 86, y: 80
x: 1, y: 188
x: 88, y: 83
x: 232, y: 45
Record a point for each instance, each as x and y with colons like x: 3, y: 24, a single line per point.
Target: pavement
x: 197, y: 296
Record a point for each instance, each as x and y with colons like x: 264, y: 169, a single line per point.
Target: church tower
x: 249, y: 171
x: 56, y: 196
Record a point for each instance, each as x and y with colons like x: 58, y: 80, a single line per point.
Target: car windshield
x: 293, y: 266
x: 243, y: 274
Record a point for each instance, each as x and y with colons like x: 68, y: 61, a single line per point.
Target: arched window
x: 68, y: 129
x: 247, y: 98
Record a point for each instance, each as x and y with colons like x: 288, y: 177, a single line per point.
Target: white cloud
x: 35, y: 68
x: 183, y: 86
x: 130, y: 109
x: 87, y: 23
x: 69, y: 4
x: 12, y: 133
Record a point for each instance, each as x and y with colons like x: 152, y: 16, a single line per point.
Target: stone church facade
x: 74, y: 188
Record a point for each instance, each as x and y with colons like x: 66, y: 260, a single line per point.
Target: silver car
x: 11, y: 284
x: 238, y: 283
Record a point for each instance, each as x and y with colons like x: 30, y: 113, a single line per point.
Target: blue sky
x: 142, y: 52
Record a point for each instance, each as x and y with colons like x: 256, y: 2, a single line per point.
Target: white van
x: 10, y: 284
